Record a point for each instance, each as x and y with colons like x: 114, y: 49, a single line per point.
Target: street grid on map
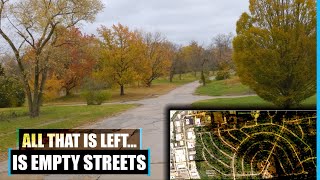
x: 242, y: 144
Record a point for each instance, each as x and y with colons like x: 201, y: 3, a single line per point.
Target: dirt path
x: 151, y: 117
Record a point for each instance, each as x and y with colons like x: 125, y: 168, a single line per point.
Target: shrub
x: 96, y: 97
x: 222, y: 75
x: 11, y: 92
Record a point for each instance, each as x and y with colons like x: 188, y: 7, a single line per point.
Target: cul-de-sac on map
x: 242, y: 144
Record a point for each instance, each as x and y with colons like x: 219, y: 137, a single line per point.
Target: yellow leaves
x: 284, y: 14
x: 39, y: 17
x: 276, y: 56
x: 244, y: 23
x: 52, y: 88
x: 129, y: 56
x: 121, y: 51
x: 158, y: 58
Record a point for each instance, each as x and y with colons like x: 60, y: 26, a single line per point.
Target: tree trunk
x: 121, y: 90
x: 195, y: 73
x: 28, y: 93
x: 203, y: 78
x: 34, y: 106
x: 68, y: 92
x: 35, y: 111
x: 148, y: 84
x: 171, y: 77
x: 180, y: 76
x: 38, y: 94
x: 33, y: 103
x: 29, y: 98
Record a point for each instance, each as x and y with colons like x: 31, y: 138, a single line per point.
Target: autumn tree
x: 78, y: 52
x: 191, y: 54
x: 121, y: 51
x: 32, y: 25
x: 197, y: 59
x: 275, y: 50
x: 158, y: 58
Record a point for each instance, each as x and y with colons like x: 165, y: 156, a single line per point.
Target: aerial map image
x: 242, y: 144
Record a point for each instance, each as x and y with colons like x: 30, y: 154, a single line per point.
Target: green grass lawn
x: 231, y: 86
x: 52, y: 117
x: 252, y: 102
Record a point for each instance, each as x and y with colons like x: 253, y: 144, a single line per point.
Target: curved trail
x: 151, y: 117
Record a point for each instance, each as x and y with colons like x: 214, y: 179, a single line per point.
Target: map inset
x: 242, y: 144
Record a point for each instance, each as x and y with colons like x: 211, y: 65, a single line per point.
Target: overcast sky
x: 179, y: 20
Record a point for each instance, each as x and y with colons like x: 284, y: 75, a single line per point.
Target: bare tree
x: 222, y: 50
